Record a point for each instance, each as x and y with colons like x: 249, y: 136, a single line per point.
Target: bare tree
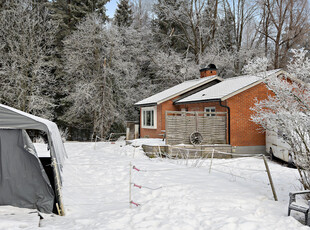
x: 141, y: 12
x: 286, y: 22
x: 190, y: 18
x: 242, y: 12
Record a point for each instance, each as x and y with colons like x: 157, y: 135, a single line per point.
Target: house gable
x: 229, y: 87
x: 177, y: 90
x: 209, y: 84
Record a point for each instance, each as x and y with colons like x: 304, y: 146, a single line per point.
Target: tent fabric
x: 23, y: 181
x: 11, y: 118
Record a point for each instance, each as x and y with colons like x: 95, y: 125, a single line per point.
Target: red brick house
x: 235, y: 96
x: 152, y: 109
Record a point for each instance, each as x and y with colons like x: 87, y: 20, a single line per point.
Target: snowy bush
x: 288, y: 109
x: 256, y: 65
x: 64, y: 133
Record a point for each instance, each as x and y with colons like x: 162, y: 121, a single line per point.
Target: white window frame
x: 144, y: 110
x: 209, y: 109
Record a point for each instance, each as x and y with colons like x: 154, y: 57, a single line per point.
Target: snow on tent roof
x: 228, y: 87
x: 15, y: 119
x: 176, y: 90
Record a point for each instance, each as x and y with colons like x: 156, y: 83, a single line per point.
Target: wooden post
x: 136, y: 131
x: 130, y: 166
x: 159, y: 151
x: 95, y: 142
x: 166, y: 116
x: 270, y: 179
x: 60, y: 208
x: 134, y: 149
x: 211, y: 161
x: 196, y: 121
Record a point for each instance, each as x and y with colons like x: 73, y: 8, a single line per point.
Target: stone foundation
x: 188, y: 151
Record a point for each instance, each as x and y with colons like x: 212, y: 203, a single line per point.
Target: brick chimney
x: 210, y: 70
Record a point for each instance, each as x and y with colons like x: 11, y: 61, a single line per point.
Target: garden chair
x: 298, y: 207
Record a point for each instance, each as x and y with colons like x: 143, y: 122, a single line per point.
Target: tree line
x: 68, y: 61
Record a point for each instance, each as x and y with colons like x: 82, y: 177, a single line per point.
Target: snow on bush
x: 289, y: 110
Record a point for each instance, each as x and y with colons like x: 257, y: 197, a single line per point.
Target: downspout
x: 228, y: 111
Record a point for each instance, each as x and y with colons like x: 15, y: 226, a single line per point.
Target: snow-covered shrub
x: 256, y: 65
x: 64, y: 133
x: 289, y: 110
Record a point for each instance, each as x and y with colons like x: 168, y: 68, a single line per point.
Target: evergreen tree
x: 78, y: 9
x: 67, y: 14
x: 26, y: 63
x: 123, y: 15
x: 87, y: 53
x: 166, y: 31
x: 70, y: 12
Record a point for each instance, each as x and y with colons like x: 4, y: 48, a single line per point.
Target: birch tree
x: 26, y: 38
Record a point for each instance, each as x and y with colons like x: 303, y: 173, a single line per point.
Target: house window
x: 209, y: 110
x: 149, y: 117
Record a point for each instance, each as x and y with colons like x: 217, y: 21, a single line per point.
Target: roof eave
x: 145, y: 105
x: 191, y: 88
x: 179, y: 93
x: 200, y: 101
x: 252, y: 85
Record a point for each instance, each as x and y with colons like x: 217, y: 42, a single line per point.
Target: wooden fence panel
x: 180, y: 125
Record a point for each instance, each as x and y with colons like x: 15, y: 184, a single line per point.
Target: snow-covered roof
x: 176, y: 90
x: 229, y: 87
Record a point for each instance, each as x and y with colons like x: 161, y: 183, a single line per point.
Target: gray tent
x: 23, y: 179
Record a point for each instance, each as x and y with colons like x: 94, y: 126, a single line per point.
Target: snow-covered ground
x: 235, y: 195
x: 18, y: 218
x: 148, y: 141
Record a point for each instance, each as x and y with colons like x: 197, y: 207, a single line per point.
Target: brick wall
x: 168, y: 106
x: 207, y: 73
x: 243, y: 131
x: 201, y: 106
x: 161, y: 108
x: 151, y: 133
